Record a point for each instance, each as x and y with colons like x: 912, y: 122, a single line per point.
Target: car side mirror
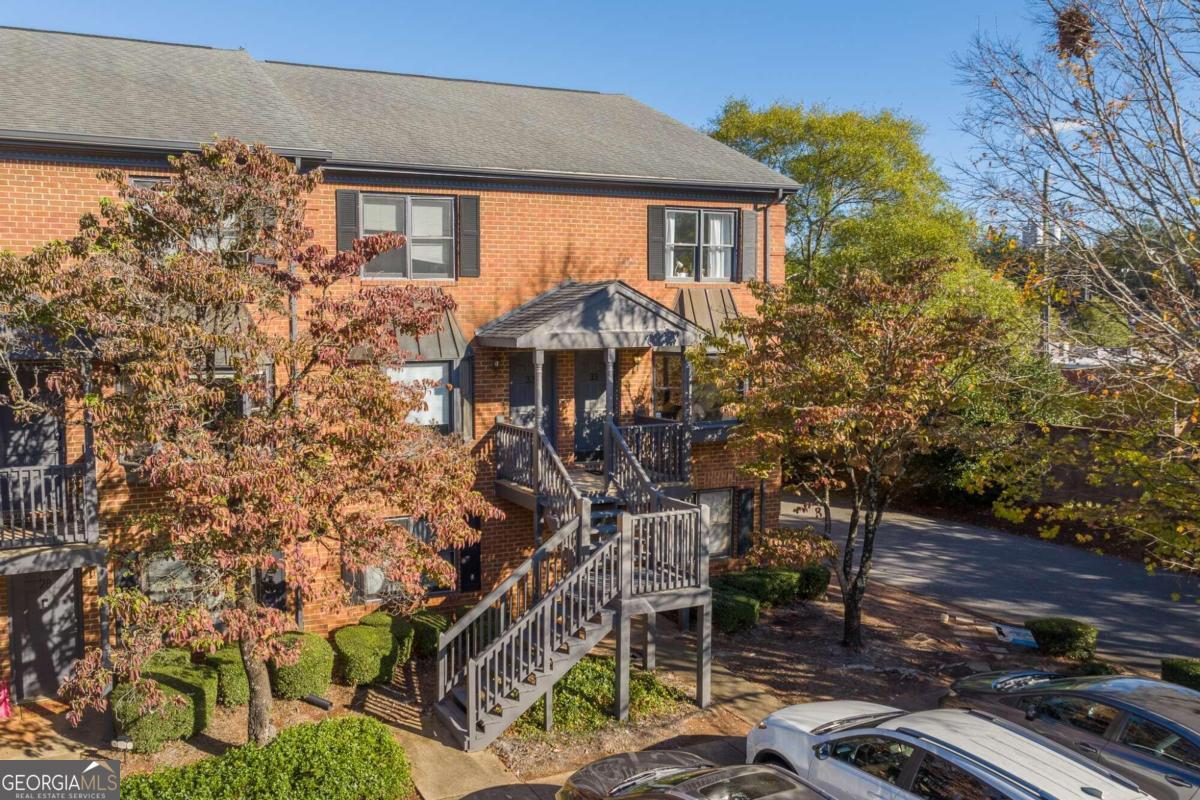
x: 822, y: 751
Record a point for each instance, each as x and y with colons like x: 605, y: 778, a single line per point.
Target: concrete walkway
x: 1014, y: 578
x: 443, y: 772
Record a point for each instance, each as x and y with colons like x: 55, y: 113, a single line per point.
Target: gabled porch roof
x: 590, y: 316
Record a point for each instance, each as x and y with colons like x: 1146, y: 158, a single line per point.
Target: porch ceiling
x: 590, y: 316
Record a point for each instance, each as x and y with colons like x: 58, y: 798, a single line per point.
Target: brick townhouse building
x: 585, y: 238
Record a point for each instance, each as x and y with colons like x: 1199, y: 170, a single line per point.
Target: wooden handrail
x: 48, y: 505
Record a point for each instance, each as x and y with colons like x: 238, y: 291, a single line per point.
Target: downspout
x: 293, y: 335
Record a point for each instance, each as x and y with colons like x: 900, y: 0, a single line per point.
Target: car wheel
x: 773, y: 760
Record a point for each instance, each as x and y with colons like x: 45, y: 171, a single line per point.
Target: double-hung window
x: 435, y: 375
x: 428, y: 226
x: 700, y: 245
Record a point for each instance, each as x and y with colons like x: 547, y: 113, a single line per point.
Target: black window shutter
x: 466, y: 392
x: 748, y: 254
x: 656, y: 227
x: 745, y: 520
x: 469, y: 563
x: 468, y: 235
x: 347, y: 218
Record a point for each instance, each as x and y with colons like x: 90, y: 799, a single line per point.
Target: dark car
x: 1145, y: 729
x: 682, y: 776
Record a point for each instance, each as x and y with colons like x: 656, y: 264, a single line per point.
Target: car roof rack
x: 988, y: 766
x: 846, y: 723
x: 1056, y: 747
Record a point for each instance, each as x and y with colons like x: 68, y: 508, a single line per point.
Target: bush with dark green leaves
x: 427, y: 625
x: 734, y: 612
x: 1184, y: 671
x: 401, y: 629
x: 769, y: 585
x: 1062, y: 636
x: 233, y: 687
x: 311, y: 674
x: 813, y: 582
x: 350, y: 758
x: 190, y: 700
x: 364, y: 654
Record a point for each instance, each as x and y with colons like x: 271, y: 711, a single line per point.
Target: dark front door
x: 591, y: 403
x: 47, y: 630
x: 520, y: 391
x: 29, y: 442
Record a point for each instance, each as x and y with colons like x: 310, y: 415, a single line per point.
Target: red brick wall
x: 529, y: 243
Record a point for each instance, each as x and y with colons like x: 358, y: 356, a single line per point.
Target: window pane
x: 432, y: 259
x: 681, y: 262
x: 393, y: 263
x: 938, y: 779
x: 718, y: 263
x: 383, y: 214
x: 720, y: 516
x: 875, y: 755
x: 718, y: 229
x: 681, y: 227
x: 437, y: 398
x: 668, y: 385
x: 431, y: 217
x: 1079, y: 712
x: 1148, y: 737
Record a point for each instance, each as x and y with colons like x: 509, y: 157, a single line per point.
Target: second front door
x: 591, y: 403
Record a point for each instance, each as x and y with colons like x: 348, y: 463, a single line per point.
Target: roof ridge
x: 120, y: 38
x: 440, y: 77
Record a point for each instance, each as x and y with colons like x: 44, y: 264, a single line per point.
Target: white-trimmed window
x: 372, y: 583
x: 700, y: 244
x: 720, y: 519
x: 427, y: 223
x: 436, y: 377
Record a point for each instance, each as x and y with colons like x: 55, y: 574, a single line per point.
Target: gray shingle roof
x: 57, y: 86
x: 66, y: 85
x: 418, y: 120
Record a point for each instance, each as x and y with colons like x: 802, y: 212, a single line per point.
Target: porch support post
x: 610, y: 361
x: 649, y: 659
x: 621, y: 692
x: 685, y: 375
x: 535, y: 456
x: 102, y: 592
x: 548, y: 722
x: 704, y: 654
x: 539, y: 361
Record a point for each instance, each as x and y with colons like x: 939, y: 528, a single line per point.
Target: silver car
x: 1147, y: 730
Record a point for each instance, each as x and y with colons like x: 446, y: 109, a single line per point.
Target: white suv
x: 855, y: 750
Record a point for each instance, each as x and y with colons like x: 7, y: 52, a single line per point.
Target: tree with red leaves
x: 274, y: 446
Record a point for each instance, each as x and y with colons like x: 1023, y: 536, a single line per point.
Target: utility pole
x: 1046, y: 260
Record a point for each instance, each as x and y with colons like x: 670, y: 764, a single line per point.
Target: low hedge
x: 364, y: 654
x: 1184, y: 671
x: 350, y: 758
x: 233, y: 687
x: 1062, y: 636
x: 311, y: 674
x: 734, y: 612
x: 427, y: 625
x: 401, y: 629
x: 190, y: 692
x: 813, y: 582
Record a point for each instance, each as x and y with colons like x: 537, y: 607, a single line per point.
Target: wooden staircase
x: 626, y: 550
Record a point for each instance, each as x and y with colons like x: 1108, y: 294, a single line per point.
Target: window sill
x: 405, y: 278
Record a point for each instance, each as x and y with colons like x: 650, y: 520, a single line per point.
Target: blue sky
x: 682, y: 58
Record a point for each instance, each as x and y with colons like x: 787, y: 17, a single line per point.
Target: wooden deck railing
x: 661, y: 448
x: 48, y: 506
x: 514, y: 448
x: 667, y: 549
x: 505, y: 605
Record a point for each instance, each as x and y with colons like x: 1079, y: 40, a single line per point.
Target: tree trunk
x: 854, y: 589
x: 852, y: 637
x: 259, y: 728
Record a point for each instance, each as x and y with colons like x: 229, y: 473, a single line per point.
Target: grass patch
x: 583, y: 700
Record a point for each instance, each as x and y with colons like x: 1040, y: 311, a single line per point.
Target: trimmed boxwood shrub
x: 1062, y: 636
x: 364, y: 654
x: 401, y: 629
x: 733, y: 611
x: 813, y: 582
x: 776, y: 587
x: 1184, y: 671
x: 350, y: 758
x: 309, y: 675
x: 427, y: 625
x: 173, y: 670
x: 233, y: 687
